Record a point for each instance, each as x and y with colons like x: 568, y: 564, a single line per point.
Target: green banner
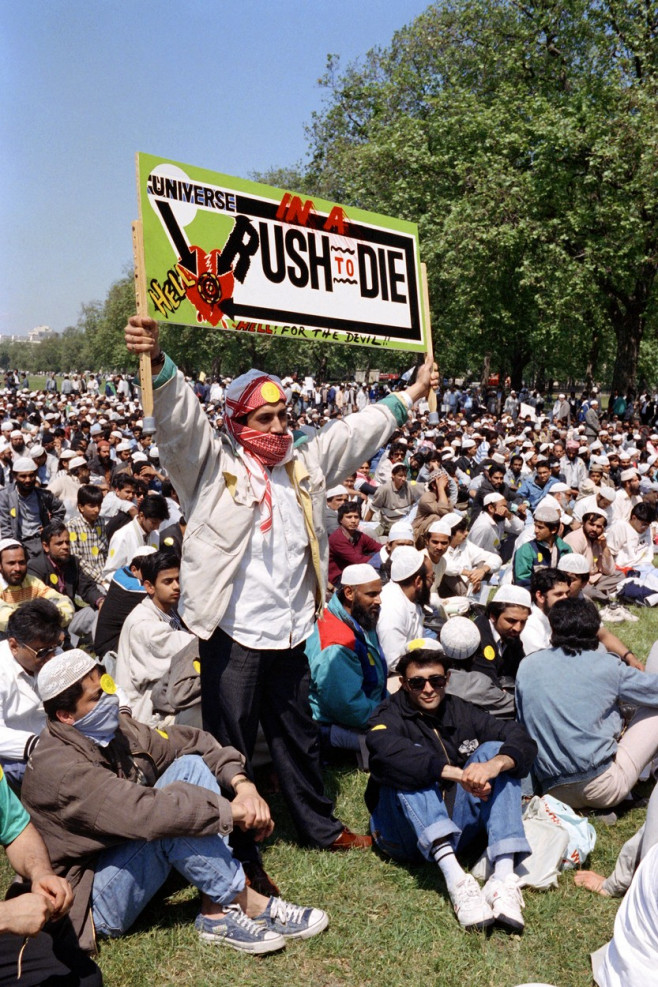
x: 220, y: 251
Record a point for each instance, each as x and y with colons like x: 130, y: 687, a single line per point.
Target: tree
x: 522, y: 137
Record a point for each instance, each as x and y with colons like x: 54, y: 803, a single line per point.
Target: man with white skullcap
x: 494, y: 524
x: 401, y: 533
x: 437, y: 542
x: 337, y: 496
x: 547, y: 586
x: 628, y: 496
x: 438, y: 764
x: 403, y: 599
x: 348, y: 669
x: 491, y: 669
x: 26, y: 509
x: 120, y: 805
x: 545, y: 549
x: 255, y: 561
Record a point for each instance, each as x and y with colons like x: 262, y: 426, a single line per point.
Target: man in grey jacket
x: 255, y: 559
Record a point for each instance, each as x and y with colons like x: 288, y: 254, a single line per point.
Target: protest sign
x: 241, y: 256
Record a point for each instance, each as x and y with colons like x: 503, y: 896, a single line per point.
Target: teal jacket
x: 536, y: 555
x: 348, y: 671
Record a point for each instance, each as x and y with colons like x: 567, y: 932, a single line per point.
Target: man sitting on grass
x: 442, y: 771
x: 119, y: 805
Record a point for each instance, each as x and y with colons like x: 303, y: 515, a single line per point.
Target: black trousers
x: 51, y: 959
x: 239, y: 688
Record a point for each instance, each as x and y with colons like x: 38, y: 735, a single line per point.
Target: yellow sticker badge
x: 108, y: 684
x: 196, y: 665
x: 489, y: 653
x: 270, y: 393
x: 53, y: 579
x: 163, y: 733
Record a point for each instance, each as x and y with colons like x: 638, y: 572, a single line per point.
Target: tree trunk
x: 628, y: 324
x: 486, y: 369
x: 592, y: 358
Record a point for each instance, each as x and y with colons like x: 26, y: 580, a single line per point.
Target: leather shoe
x: 259, y: 880
x: 347, y: 840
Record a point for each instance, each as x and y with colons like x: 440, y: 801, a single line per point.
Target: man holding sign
x: 255, y: 558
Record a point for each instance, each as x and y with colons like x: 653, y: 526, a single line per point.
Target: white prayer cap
x: 514, y: 595
x: 37, y: 451
x: 561, y: 396
x: 575, y: 563
x: 357, y: 575
x: 467, y: 443
x: 453, y: 518
x: 338, y: 491
x: 560, y: 488
x: 9, y: 543
x: 23, y: 464
x: 154, y: 452
x: 440, y: 527
x: 123, y: 447
x: 15, y: 433
x: 137, y: 457
x: 76, y: 462
x: 459, y: 638
x: 63, y: 671
x: 498, y: 458
x: 493, y: 498
x: 67, y: 454
x: 624, y: 476
x: 424, y: 643
x: 547, y: 513
x: 405, y: 561
x: 142, y: 551
x: 401, y: 531
x: 597, y: 511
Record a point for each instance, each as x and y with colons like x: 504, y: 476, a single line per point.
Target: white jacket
x: 218, y: 502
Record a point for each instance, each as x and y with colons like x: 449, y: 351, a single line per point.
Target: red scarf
x: 262, y: 449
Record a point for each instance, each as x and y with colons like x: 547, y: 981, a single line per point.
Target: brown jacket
x: 84, y: 798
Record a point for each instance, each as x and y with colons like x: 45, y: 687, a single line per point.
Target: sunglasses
x: 42, y: 652
x: 418, y: 682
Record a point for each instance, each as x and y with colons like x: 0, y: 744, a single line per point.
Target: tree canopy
x: 523, y: 139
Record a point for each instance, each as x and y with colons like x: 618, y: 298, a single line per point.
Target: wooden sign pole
x: 145, y: 378
x: 431, y: 397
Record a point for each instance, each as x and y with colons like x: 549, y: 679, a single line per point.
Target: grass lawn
x: 390, y: 926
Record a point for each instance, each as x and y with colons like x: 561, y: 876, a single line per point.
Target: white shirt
x: 470, y: 556
x: 488, y: 534
x: 125, y: 542
x: 623, y: 505
x: 630, y: 959
x: 628, y: 547
x: 400, y: 621
x: 272, y: 605
x: 536, y: 635
x: 586, y: 504
x: 21, y: 709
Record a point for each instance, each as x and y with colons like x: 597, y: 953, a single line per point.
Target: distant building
x: 39, y: 334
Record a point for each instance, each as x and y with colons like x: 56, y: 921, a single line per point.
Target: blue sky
x: 225, y: 86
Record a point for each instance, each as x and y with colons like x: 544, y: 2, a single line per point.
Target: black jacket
x: 409, y: 749
x: 76, y: 580
x: 502, y: 671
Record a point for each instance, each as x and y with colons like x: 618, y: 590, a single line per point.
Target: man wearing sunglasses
x: 443, y: 771
x: 33, y: 637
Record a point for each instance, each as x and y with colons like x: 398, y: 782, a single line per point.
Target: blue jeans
x: 405, y: 823
x: 128, y: 876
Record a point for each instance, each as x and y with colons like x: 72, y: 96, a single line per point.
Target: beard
x: 366, y: 617
x: 424, y: 595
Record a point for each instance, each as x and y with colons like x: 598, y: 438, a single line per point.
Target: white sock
x: 504, y: 866
x: 452, y: 871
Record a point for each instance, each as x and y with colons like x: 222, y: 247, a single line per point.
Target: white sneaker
x: 612, y: 616
x: 506, y: 901
x: 627, y: 615
x: 470, y: 906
